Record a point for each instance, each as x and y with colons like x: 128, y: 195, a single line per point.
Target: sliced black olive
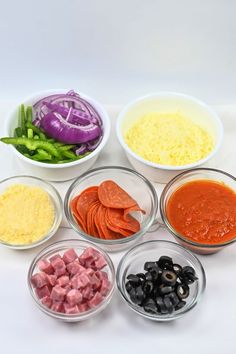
x: 134, y: 279
x: 161, y: 306
x: 165, y: 262
x: 180, y: 305
x: 182, y: 291
x: 188, y: 269
x: 128, y: 286
x: 150, y: 306
x: 168, y: 304
x: 141, y: 276
x: 177, y: 268
x: 168, y: 277
x: 155, y: 274
x: 148, y: 276
x: 132, y: 295
x: 140, y: 295
x: 173, y: 298
x: 149, y: 265
x: 148, y: 287
x: 165, y: 289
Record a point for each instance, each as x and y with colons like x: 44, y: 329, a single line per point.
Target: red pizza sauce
x: 203, y: 211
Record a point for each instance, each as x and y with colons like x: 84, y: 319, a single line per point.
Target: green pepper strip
x: 41, y: 155
x: 22, y: 118
x: 18, y: 132
x: 32, y: 144
x: 36, y: 130
x: 29, y: 114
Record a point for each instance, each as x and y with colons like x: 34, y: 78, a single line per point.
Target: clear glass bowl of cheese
x: 30, y: 212
x: 166, y: 133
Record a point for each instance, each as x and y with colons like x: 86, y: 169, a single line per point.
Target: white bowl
x: 167, y: 102
x: 60, y: 172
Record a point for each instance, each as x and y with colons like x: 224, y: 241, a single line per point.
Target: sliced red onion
x: 71, y: 115
x: 92, y: 145
x: 81, y: 150
x: 58, y: 128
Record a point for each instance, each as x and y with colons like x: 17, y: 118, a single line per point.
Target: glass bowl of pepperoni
x: 111, y: 206
x: 71, y: 280
x: 199, y: 208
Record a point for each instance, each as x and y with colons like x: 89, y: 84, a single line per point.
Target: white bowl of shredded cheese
x: 166, y: 133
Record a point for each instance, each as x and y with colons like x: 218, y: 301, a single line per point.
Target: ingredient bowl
x: 133, y: 263
x: 137, y: 186
x: 208, y: 219
x: 59, y: 171
x: 63, y: 250
x: 28, y: 204
x: 182, y: 106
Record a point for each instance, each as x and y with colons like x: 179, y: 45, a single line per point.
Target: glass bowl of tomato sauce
x: 198, y: 207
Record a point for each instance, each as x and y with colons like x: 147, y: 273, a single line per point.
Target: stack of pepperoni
x: 104, y: 211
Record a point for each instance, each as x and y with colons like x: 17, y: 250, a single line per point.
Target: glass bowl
x: 191, y: 175
x: 132, y: 182
x: 54, y: 196
x: 59, y: 248
x: 133, y: 262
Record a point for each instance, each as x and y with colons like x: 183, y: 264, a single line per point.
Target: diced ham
x: 45, y: 266
x: 100, y: 262
x: 71, y: 284
x: 101, y: 275
x: 95, y: 300
x: 81, y: 281
x: 58, y: 293
x: 70, y: 256
x: 42, y: 292
x: 58, y: 307
x: 59, y: 266
x: 63, y: 280
x: 51, y: 279
x: 71, y: 309
x: 87, y: 293
x: 105, y: 287
x: 46, y: 301
x: 38, y: 280
x: 89, y: 271
x: 53, y: 258
x: 95, y: 281
x: 75, y: 267
x: 83, y: 307
x: 89, y: 253
x: 74, y: 297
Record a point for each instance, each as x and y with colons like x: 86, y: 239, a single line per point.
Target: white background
x: 116, y: 51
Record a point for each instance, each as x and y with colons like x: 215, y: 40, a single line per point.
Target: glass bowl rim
x: 138, y: 234
x: 58, y: 213
x: 64, y: 316
x: 160, y: 318
x: 165, y: 219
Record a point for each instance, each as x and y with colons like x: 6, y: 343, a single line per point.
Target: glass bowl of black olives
x: 160, y: 280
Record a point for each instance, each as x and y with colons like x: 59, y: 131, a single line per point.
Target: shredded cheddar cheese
x: 26, y: 214
x: 168, y: 139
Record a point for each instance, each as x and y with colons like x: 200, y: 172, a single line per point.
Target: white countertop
x: 208, y: 328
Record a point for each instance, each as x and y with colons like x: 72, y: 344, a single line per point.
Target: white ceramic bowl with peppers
x: 72, y: 121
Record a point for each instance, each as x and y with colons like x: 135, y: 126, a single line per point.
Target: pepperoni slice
x: 113, y: 196
x: 115, y: 217
x: 102, y: 224
x: 77, y: 217
x: 91, y: 226
x: 84, y: 201
x: 131, y: 209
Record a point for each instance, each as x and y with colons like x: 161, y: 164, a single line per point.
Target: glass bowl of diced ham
x: 71, y: 280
